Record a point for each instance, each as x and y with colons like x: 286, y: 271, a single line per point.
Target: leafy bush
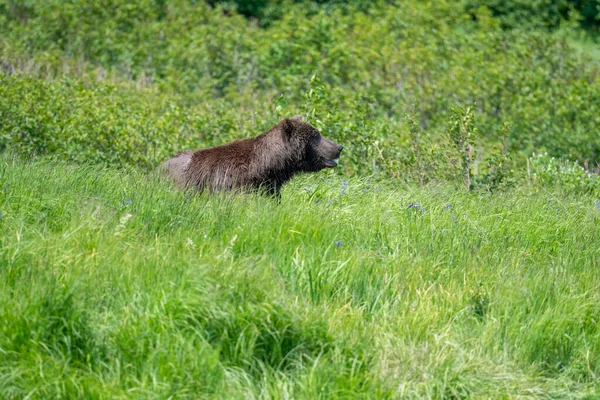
x: 541, y: 13
x: 548, y: 171
x: 136, y: 81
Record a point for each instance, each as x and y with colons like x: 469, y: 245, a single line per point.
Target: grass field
x: 113, y: 285
x: 453, y: 254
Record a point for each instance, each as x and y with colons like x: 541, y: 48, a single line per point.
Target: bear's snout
x: 329, y: 151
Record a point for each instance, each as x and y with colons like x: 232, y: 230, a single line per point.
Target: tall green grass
x: 114, y: 285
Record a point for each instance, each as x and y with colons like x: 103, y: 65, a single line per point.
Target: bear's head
x: 314, y: 151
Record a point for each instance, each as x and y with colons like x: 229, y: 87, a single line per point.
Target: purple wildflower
x: 338, y: 243
x: 417, y: 207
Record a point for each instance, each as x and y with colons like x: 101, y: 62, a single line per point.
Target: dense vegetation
x: 132, y: 82
x: 453, y: 254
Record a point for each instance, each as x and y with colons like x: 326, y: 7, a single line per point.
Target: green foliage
x: 421, y: 159
x: 541, y: 13
x: 132, y: 82
x: 416, y: 142
x: 69, y: 120
x: 512, y: 13
x: 546, y: 171
x: 526, y: 13
x: 462, y: 133
x: 351, y: 125
x: 497, y: 174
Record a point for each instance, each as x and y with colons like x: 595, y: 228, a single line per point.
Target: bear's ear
x: 287, y: 126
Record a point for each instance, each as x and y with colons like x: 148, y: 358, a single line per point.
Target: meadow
x: 453, y: 254
x: 115, y: 286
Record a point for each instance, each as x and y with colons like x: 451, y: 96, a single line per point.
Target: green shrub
x: 547, y: 171
x: 134, y: 82
x: 541, y: 13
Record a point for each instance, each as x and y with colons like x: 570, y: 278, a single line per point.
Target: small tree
x: 462, y: 133
x: 415, y: 139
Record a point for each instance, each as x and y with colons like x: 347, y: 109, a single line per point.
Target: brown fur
x: 264, y: 162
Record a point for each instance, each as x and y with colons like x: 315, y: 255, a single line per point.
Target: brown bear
x: 263, y: 163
